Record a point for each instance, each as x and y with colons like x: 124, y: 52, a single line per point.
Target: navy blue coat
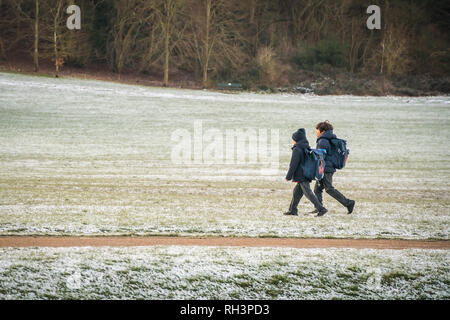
x: 295, y: 172
x: 323, y: 142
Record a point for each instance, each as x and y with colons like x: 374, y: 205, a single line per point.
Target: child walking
x: 295, y: 173
x: 324, y: 133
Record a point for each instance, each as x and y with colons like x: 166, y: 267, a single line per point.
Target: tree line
x: 248, y: 41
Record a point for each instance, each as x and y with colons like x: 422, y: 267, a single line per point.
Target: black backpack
x: 338, y: 153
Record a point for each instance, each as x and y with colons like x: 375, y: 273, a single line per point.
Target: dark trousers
x: 327, y: 184
x: 302, y: 188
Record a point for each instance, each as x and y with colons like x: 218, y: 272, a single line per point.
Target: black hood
x: 327, y: 135
x: 299, y: 135
x: 300, y: 138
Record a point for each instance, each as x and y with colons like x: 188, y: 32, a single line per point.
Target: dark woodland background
x: 321, y: 46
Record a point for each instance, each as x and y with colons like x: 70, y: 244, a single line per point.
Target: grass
x: 84, y: 157
x: 206, y: 273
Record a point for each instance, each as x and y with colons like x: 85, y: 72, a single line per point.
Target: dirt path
x: 117, y: 241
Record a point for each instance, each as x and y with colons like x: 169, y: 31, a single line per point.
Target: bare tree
x: 17, y: 25
x: 252, y: 8
x: 59, y: 60
x: 124, y: 32
x: 150, y: 46
x: 214, y: 35
x: 167, y: 17
x: 36, y: 38
x: 208, y: 42
x: 357, y: 40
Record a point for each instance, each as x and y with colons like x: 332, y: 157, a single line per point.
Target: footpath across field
x: 43, y: 241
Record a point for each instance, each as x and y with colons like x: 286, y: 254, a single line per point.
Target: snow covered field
x: 222, y: 273
x: 91, y: 157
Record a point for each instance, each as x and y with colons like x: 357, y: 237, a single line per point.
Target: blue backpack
x: 314, y: 166
x: 338, y: 153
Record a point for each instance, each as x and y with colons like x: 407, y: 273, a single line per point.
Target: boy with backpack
x: 299, y: 151
x: 336, y: 156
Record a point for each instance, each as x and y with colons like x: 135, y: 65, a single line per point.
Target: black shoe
x: 314, y: 211
x: 322, y: 212
x: 290, y: 213
x: 351, y: 206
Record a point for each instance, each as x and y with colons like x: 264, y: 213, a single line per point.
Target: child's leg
x: 310, y: 195
x: 327, y: 182
x: 297, y: 195
x: 318, y: 190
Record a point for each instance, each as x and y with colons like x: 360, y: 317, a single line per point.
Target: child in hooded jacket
x: 295, y: 173
x: 324, y: 133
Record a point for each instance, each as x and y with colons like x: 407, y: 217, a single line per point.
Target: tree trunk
x: 252, y: 11
x: 206, y: 44
x: 166, y: 61
x: 36, y: 38
x: 385, y: 33
x: 166, y: 58
x: 169, y: 8
x: 55, y: 39
x: 55, y: 47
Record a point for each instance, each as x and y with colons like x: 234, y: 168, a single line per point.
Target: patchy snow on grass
x: 181, y: 272
x: 90, y: 157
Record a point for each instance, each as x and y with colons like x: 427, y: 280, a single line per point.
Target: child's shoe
x: 322, y: 212
x: 351, y: 206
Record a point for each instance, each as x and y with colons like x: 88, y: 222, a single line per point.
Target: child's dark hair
x: 324, y: 126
